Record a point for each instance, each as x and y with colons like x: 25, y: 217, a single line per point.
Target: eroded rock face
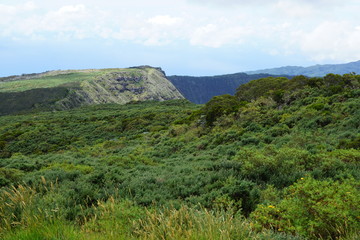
x: 138, y: 84
x: 106, y: 86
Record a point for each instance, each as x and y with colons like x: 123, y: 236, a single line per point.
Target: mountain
x: 72, y: 88
x: 201, y: 89
x: 312, y: 71
x: 60, y: 90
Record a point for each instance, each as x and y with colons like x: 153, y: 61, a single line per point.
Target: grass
x: 54, y: 231
x: 55, y: 78
x: 44, y: 82
x: 116, y: 219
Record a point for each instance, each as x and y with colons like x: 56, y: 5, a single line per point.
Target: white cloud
x: 295, y: 9
x: 231, y: 3
x: 17, y: 8
x: 332, y: 40
x: 67, y: 22
x: 9, y: 12
x: 217, y: 35
x: 164, y: 20
x: 277, y: 27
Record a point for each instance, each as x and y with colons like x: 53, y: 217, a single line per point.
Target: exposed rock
x: 109, y: 86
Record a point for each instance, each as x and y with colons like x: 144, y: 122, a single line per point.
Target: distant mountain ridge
x: 312, y: 71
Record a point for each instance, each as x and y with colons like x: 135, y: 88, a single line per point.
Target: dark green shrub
x: 314, y: 209
x: 10, y: 176
x: 218, y: 106
x: 262, y: 87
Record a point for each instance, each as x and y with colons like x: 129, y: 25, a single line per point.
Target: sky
x: 183, y: 37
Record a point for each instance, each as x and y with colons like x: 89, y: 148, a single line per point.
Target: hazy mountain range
x: 312, y: 71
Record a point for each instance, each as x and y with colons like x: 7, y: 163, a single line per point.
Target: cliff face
x: 97, y: 87
x: 136, y: 84
x: 202, y: 89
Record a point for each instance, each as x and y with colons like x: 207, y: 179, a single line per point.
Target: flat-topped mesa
x: 72, y: 88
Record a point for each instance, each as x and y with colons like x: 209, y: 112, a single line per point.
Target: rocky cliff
x: 68, y: 89
x: 202, y: 89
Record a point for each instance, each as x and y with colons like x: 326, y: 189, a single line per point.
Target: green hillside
x: 50, y: 81
x: 279, y: 160
x: 59, y: 90
x: 56, y: 78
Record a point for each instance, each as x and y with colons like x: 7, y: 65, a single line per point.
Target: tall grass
x: 197, y: 224
x: 187, y: 223
x: 43, y: 231
x: 23, y: 207
x: 23, y: 217
x: 113, y: 220
x: 16, y: 207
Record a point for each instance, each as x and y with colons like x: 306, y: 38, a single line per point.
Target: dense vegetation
x: 37, y: 98
x: 279, y: 160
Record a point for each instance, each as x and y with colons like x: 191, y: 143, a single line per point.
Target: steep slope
x: 69, y: 89
x: 313, y: 71
x: 201, y: 89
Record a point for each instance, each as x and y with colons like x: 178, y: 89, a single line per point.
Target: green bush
x: 270, y: 86
x: 218, y: 106
x: 314, y: 209
x: 225, y: 153
x: 280, y: 167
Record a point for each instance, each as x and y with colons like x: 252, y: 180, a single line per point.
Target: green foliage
x: 190, y: 223
x: 114, y: 220
x: 22, y: 218
x: 280, y: 167
x: 58, y: 230
x: 40, y: 98
x: 108, y: 162
x: 314, y: 209
x: 283, y: 90
x: 9, y: 175
x: 194, y: 224
x: 261, y: 87
x: 218, y: 106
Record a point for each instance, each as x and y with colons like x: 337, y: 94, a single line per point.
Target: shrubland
x: 279, y: 160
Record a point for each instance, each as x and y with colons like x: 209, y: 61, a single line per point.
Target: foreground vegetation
x: 280, y: 160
